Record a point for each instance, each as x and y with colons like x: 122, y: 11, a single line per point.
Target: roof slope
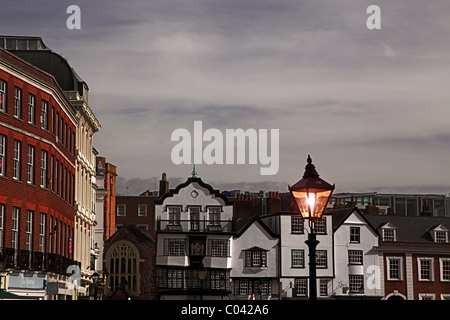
x: 410, y: 229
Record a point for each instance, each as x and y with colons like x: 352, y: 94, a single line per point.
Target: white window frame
x: 44, y: 115
x: 3, y: 155
x: 17, y: 103
x: 42, y: 222
x: 2, y: 95
x: 425, y: 296
x: 420, y: 260
x: 15, y: 231
x: 142, y: 213
x: 441, y: 269
x: 29, y: 231
x: 44, y: 160
x: 121, y: 210
x: 17, y: 160
x: 394, y: 234
x: 400, y: 268
x: 31, y: 109
x: 30, y: 164
x: 442, y: 238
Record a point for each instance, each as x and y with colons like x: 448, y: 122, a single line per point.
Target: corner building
x: 37, y: 180
x: 75, y: 137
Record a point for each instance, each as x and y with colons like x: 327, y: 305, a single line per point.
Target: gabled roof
x: 339, y: 216
x: 410, y: 229
x: 243, y: 224
x: 255, y: 248
x: 137, y: 233
x: 438, y: 227
x: 190, y: 180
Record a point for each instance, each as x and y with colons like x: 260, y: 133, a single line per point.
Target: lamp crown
x: 310, y: 169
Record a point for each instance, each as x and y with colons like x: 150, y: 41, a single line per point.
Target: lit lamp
x: 311, y: 195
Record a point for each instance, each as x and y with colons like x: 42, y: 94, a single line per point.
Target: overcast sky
x: 370, y: 106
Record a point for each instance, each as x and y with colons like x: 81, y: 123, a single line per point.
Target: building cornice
x: 52, y: 88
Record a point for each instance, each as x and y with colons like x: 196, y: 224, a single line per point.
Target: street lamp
x: 311, y: 195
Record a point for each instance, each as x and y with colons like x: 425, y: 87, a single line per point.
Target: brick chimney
x: 426, y: 212
x: 372, y: 209
x: 163, y: 185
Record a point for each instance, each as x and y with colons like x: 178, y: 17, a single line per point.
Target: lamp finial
x: 310, y: 169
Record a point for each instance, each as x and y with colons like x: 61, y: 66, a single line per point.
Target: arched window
x: 122, y: 259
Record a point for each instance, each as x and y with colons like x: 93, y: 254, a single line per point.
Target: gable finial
x: 194, y: 173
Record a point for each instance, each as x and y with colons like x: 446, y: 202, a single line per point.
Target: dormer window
x: 388, y: 234
x: 439, y: 234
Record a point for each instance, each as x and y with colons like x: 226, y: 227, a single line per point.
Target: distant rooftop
x: 22, y: 43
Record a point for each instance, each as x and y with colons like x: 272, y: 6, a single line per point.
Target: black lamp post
x: 311, y: 196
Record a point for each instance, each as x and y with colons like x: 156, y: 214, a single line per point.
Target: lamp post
x: 311, y: 195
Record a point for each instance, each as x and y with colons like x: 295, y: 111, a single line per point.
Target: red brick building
x: 415, y: 256
x: 37, y: 177
x: 136, y: 210
x: 106, y: 174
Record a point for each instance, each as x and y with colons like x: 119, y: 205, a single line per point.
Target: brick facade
x: 42, y: 184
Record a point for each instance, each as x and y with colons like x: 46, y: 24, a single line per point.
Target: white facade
x: 255, y: 264
x: 294, y: 254
x: 99, y: 218
x: 194, y: 231
x: 357, y: 268
x: 85, y: 184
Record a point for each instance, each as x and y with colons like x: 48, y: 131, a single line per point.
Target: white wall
x: 368, y: 240
x: 255, y: 235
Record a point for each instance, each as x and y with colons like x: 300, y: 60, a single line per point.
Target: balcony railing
x: 216, y: 226
x: 35, y: 261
